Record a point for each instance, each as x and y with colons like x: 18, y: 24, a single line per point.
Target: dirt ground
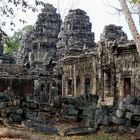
x: 17, y: 132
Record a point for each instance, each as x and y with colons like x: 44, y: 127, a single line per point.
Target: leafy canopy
x: 134, y: 1
x: 13, y: 43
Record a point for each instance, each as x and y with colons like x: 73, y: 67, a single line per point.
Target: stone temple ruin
x: 61, y: 71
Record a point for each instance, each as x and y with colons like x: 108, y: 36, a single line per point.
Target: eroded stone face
x: 112, y: 32
x: 46, y: 31
x: 75, y: 33
x: 39, y: 46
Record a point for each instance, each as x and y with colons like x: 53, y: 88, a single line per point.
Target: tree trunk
x: 131, y: 24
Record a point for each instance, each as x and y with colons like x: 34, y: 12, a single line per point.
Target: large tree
x: 132, y: 27
x: 13, y: 43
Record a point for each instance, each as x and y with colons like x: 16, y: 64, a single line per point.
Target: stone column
x: 64, y: 87
x: 1, y: 45
x: 93, y: 80
x: 121, y: 89
x: 107, y: 81
x: 82, y: 87
x: 74, y: 80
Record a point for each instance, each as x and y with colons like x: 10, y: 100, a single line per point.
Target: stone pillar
x: 93, y: 80
x: 102, y: 85
x: 1, y: 45
x: 121, y: 89
x: 93, y: 84
x: 82, y: 88
x: 107, y: 85
x: 64, y: 87
x: 74, y: 80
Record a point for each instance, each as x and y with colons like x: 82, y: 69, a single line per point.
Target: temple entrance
x: 70, y: 88
x: 107, y: 84
x: 87, y: 85
x: 42, y: 96
x: 78, y: 85
x: 125, y: 87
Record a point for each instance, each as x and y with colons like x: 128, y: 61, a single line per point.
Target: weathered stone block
x: 137, y: 110
x: 130, y: 107
x: 118, y: 121
x: 19, y: 111
x: 3, y: 105
x: 136, y: 118
x: 120, y: 113
x: 75, y: 131
x: 17, y: 118
x: 129, y: 115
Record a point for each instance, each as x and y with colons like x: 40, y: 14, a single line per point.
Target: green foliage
x: 13, y: 43
x: 134, y: 1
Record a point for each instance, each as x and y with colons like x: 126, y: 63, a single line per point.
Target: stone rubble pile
x: 128, y: 114
x: 83, y: 109
x: 80, y: 108
x: 11, y: 109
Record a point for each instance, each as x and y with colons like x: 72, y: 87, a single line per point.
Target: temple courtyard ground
x: 17, y: 132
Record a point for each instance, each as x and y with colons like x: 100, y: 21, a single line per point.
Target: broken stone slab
x: 88, y: 122
x: 120, y: 113
x: 138, y: 128
x: 129, y: 115
x: 128, y: 123
x: 121, y: 106
x: 17, y: 118
x: 136, y: 118
x: 46, y: 129
x: 39, y: 127
x: 69, y: 118
x: 118, y: 121
x: 130, y: 107
x: 30, y: 114
x: 126, y: 129
x: 31, y: 105
x: 137, y: 110
x: 3, y: 105
x: 79, y: 131
x: 130, y: 100
x: 19, y: 111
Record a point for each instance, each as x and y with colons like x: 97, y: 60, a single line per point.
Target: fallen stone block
x: 136, y: 118
x: 16, y: 118
x: 121, y: 106
x: 69, y: 118
x: 3, y: 105
x: 118, y: 121
x: 137, y: 110
x: 129, y: 115
x: 130, y: 107
x: 79, y: 130
x: 120, y: 113
x: 46, y: 129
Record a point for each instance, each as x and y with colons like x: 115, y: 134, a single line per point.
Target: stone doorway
x: 70, y: 87
x: 87, y: 85
x: 125, y: 87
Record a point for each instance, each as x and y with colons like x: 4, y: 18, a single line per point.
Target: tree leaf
x: 134, y: 1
